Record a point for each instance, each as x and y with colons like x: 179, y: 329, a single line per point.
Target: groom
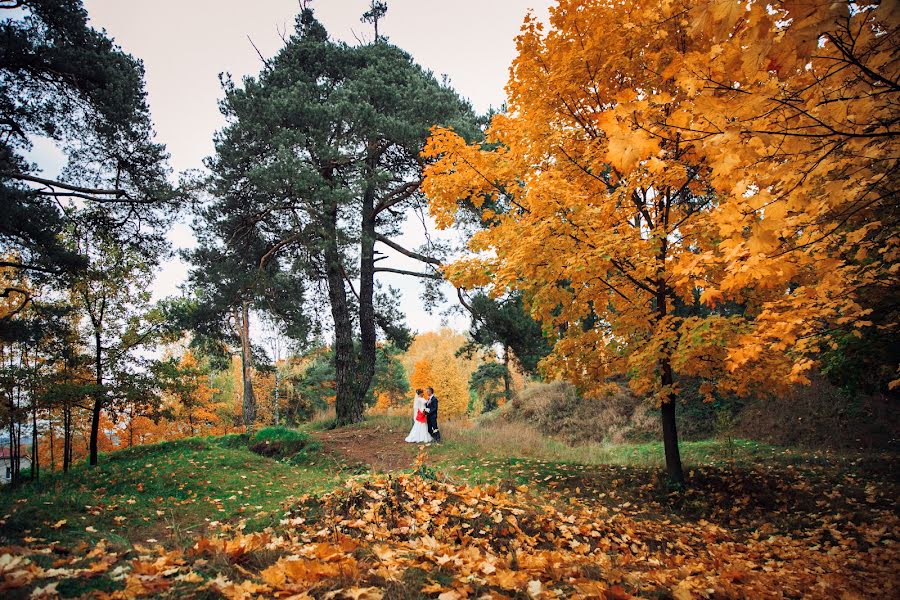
x: 431, y: 409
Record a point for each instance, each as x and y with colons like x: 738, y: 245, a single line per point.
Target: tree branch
x: 410, y: 273
x: 394, y: 245
x: 28, y: 267
x: 397, y: 196
x: 65, y: 186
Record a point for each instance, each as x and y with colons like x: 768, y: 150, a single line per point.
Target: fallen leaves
x: 556, y: 538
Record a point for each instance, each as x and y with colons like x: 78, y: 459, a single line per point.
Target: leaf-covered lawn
x: 210, y: 518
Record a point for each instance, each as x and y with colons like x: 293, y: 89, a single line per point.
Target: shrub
x: 281, y: 442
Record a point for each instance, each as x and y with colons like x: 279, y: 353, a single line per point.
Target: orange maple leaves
x: 465, y: 541
x: 734, y: 158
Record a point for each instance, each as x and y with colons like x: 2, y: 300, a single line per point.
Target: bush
x: 822, y: 415
x: 819, y: 415
x: 281, y: 442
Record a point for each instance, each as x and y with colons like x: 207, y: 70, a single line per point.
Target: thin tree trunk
x: 13, y: 470
x: 276, y: 390
x: 249, y: 400
x: 507, y: 391
x: 67, y: 437
x: 98, y: 399
x: 52, y: 441
x: 35, y: 464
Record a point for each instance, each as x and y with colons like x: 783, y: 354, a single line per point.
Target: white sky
x: 185, y: 44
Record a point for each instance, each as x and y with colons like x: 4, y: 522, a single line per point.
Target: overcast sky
x: 185, y: 44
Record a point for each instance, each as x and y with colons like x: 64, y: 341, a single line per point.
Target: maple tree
x: 649, y: 190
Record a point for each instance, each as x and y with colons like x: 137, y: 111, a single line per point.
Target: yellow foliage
x: 657, y: 149
x: 431, y: 361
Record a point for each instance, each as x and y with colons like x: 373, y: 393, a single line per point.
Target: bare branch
x: 420, y: 257
x: 410, y: 273
x: 59, y: 184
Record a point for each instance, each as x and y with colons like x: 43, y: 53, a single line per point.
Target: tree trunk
x: 277, y: 399
x: 347, y: 405
x: 98, y: 399
x: 67, y: 437
x: 13, y: 448
x: 131, y: 428
x: 368, y: 354
x: 35, y: 464
x: 52, y: 441
x: 249, y: 403
x: 670, y: 431
x: 507, y: 391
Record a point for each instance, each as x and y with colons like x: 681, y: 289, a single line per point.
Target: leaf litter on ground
x: 419, y: 535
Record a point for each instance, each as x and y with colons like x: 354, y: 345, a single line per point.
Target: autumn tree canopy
x: 685, y: 188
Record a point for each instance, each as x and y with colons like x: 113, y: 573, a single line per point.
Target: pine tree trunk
x: 98, y: 399
x: 347, y: 404
x: 368, y: 354
x: 249, y: 401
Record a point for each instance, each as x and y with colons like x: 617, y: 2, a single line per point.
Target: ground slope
x: 788, y: 526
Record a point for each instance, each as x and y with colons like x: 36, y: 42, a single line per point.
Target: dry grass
x: 556, y: 410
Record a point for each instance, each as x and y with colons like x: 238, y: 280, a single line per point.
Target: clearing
x: 357, y: 514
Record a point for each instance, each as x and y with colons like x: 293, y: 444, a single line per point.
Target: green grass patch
x: 170, y: 492
x: 283, y: 443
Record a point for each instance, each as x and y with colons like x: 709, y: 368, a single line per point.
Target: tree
x: 188, y: 384
x: 230, y: 281
x: 640, y: 217
x: 113, y: 297
x: 65, y: 81
x: 376, y: 12
x: 504, y: 322
x: 389, y: 382
x: 795, y: 108
x: 319, y: 161
x: 490, y: 384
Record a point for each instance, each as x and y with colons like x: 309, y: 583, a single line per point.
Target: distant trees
x: 433, y: 359
x: 503, y: 323
x: 73, y: 245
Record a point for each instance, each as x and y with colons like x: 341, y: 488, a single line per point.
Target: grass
x: 516, y: 440
x: 168, y: 492
x: 174, y: 492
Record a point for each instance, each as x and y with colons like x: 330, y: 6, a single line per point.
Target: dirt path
x: 381, y: 447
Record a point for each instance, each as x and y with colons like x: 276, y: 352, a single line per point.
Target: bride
x: 419, y: 432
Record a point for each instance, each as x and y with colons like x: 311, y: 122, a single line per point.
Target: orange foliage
x: 655, y: 152
x: 431, y: 361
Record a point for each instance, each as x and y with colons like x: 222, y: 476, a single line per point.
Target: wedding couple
x: 425, y: 410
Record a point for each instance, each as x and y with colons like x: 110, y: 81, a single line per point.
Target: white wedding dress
x: 419, y: 432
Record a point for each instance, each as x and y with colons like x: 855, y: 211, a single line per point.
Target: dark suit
x: 432, y: 405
